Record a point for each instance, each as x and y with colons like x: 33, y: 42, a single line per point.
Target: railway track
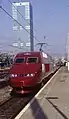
x: 3, y: 84
x: 4, y: 76
x: 5, y: 94
x: 10, y: 108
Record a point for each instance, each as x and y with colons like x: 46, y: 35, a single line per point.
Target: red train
x: 27, y: 71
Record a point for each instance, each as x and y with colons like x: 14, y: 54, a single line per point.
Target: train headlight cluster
x: 22, y: 75
x: 28, y: 75
x: 13, y: 75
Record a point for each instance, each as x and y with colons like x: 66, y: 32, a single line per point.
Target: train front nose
x: 23, y: 80
x: 26, y: 78
x: 23, y: 85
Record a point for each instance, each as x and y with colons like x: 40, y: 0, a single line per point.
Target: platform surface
x: 52, y: 102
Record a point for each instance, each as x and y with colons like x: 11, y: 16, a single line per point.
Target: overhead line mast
x: 41, y: 45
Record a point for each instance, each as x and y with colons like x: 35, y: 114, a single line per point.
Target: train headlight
x: 32, y: 75
x: 12, y: 75
x: 15, y: 75
x: 28, y: 75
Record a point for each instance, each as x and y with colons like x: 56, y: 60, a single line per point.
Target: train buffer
x: 52, y: 101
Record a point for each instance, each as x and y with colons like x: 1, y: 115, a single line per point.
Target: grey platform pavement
x: 52, y: 101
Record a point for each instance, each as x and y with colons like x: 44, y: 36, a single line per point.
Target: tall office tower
x: 22, y: 13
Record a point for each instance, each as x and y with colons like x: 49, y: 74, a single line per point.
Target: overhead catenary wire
x: 14, y: 20
x: 19, y: 12
x: 21, y: 15
x: 1, y: 7
x: 17, y: 23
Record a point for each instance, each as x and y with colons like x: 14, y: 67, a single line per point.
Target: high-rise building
x: 23, y: 30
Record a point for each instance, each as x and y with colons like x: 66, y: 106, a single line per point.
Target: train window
x: 32, y: 60
x: 19, y: 60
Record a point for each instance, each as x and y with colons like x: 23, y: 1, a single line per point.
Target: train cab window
x: 19, y: 60
x: 32, y: 60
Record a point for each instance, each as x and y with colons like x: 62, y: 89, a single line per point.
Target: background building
x: 22, y: 12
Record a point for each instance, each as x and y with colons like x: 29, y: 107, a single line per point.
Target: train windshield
x: 19, y: 60
x: 32, y: 60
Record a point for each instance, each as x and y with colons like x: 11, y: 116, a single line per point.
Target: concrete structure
x: 22, y: 12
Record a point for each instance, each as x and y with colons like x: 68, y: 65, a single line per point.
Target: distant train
x: 27, y: 71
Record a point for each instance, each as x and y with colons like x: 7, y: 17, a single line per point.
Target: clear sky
x: 51, y: 19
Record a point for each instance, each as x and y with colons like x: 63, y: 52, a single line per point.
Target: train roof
x: 34, y: 54
x: 21, y: 54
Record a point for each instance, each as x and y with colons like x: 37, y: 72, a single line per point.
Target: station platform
x: 52, y: 101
